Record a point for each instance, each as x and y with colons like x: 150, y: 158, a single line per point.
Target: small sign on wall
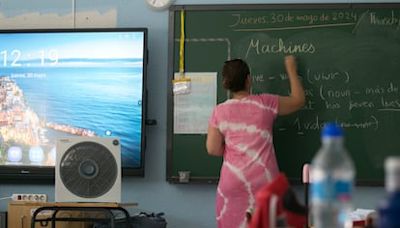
x: 81, y: 19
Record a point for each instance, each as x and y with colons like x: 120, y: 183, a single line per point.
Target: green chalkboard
x: 349, y: 62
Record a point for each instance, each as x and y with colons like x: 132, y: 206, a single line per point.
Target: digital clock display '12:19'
x: 15, y: 57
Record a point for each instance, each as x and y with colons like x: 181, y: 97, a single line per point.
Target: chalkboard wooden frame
x: 170, y: 175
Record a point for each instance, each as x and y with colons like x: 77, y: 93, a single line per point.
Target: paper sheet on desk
x: 361, y: 214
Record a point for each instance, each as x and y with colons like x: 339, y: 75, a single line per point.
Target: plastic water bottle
x: 389, y: 210
x: 332, y: 176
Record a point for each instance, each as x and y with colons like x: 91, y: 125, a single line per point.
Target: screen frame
x: 14, y: 174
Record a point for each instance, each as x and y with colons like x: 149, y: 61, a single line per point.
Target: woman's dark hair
x: 234, y: 74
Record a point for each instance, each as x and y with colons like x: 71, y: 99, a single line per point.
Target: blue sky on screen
x: 93, y: 45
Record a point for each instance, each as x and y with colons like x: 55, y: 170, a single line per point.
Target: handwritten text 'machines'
x: 261, y: 48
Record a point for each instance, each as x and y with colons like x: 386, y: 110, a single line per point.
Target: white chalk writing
x: 382, y: 89
x: 259, y: 47
x: 319, y: 76
x: 250, y: 20
x: 316, y: 124
x: 384, y: 20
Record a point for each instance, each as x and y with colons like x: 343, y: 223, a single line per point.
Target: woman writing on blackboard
x: 240, y: 130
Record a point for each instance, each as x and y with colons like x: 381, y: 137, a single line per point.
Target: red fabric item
x: 264, y: 199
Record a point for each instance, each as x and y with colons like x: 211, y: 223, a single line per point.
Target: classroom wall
x: 186, y: 206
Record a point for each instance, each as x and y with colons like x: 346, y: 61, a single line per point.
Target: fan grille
x: 88, y: 169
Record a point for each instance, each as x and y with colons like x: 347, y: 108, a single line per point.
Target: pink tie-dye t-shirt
x: 249, y: 156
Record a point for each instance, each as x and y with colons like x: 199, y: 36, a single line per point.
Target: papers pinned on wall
x: 192, y: 110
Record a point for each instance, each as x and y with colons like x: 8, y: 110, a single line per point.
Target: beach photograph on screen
x: 61, y: 84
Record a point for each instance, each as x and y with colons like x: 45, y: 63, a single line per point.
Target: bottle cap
x: 332, y: 129
x: 392, y: 163
x: 392, y: 173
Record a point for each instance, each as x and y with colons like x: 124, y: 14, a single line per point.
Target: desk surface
x: 73, y: 204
